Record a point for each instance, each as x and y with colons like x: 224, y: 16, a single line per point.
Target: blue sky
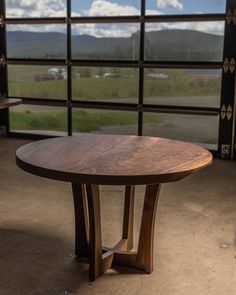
x: 166, y: 6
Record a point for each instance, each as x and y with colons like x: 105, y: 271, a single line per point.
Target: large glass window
x: 104, y: 121
x: 196, y: 41
x: 202, y: 130
x: 105, y: 41
x: 35, y: 8
x: 105, y: 7
x: 37, y: 81
x: 185, y: 7
x: 36, y: 41
x: 111, y: 54
x: 105, y: 84
x: 39, y: 120
x: 182, y: 87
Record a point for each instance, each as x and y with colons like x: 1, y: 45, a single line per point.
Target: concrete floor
x: 195, y: 245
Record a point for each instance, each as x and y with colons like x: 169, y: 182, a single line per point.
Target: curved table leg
x: 128, y: 218
x: 81, y: 220
x: 95, y: 242
x: 146, y: 238
x: 143, y: 258
x: 88, y: 231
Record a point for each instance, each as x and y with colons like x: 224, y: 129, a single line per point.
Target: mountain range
x: 164, y: 44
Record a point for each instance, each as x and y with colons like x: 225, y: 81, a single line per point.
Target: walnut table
x: 9, y: 102
x: 88, y: 161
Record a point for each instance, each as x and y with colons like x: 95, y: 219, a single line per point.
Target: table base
x: 88, y: 240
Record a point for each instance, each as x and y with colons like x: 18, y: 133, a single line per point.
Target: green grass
x: 83, y: 121
x: 22, y: 84
x: 38, y: 121
x: 105, y: 89
x: 182, y: 87
x: 46, y: 89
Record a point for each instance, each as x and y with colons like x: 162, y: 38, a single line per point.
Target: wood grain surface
x: 9, y: 102
x: 112, y: 159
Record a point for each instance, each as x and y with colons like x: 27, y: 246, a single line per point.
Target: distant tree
x: 100, y: 72
x: 85, y: 73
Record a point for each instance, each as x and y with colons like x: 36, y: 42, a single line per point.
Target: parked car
x: 58, y: 73
x: 111, y: 75
x: 159, y: 76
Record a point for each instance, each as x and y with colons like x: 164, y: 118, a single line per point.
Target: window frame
x: 226, y: 128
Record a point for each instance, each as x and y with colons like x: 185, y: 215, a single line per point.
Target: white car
x: 58, y: 73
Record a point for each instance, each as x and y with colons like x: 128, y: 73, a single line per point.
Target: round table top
x: 112, y: 159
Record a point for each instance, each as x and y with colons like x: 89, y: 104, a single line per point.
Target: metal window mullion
x: 226, y: 124
x: 105, y: 63
x: 119, y: 19
x: 69, y: 70
x: 105, y: 19
x: 36, y: 61
x: 4, y: 114
x: 170, y: 64
x: 141, y: 69
x: 3, y: 52
x: 211, y: 17
x: 35, y: 21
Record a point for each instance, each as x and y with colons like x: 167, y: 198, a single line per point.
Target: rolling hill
x: 165, y: 44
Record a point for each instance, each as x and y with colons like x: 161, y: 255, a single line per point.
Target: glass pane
x: 37, y: 81
x: 106, y: 122
x: 35, y: 8
x: 38, y: 120
x: 105, y: 7
x: 195, y: 41
x: 36, y: 41
x: 105, y: 84
x: 105, y: 41
x: 197, y: 129
x: 185, y: 7
x: 182, y: 87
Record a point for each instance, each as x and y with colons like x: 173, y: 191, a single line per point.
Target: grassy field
x: 23, y: 84
x: 83, y: 121
x: 114, y: 122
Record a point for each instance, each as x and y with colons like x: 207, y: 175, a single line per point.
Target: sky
x: 88, y: 7
x: 36, y: 8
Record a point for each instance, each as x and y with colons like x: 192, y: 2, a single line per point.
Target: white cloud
x: 106, y: 8
x: 37, y: 28
x: 35, y: 8
x: 176, y: 4
x: 103, y: 7
x: 105, y: 30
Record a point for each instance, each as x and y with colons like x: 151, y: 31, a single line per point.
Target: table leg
x: 128, y: 219
x: 88, y: 231
x: 81, y: 220
x: 96, y: 260
x: 145, y: 248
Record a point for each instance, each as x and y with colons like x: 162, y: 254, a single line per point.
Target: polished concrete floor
x: 195, y: 236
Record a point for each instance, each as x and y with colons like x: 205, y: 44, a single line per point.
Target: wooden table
x: 88, y: 161
x: 9, y: 102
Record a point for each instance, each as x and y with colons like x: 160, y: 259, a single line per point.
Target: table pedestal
x: 88, y: 240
